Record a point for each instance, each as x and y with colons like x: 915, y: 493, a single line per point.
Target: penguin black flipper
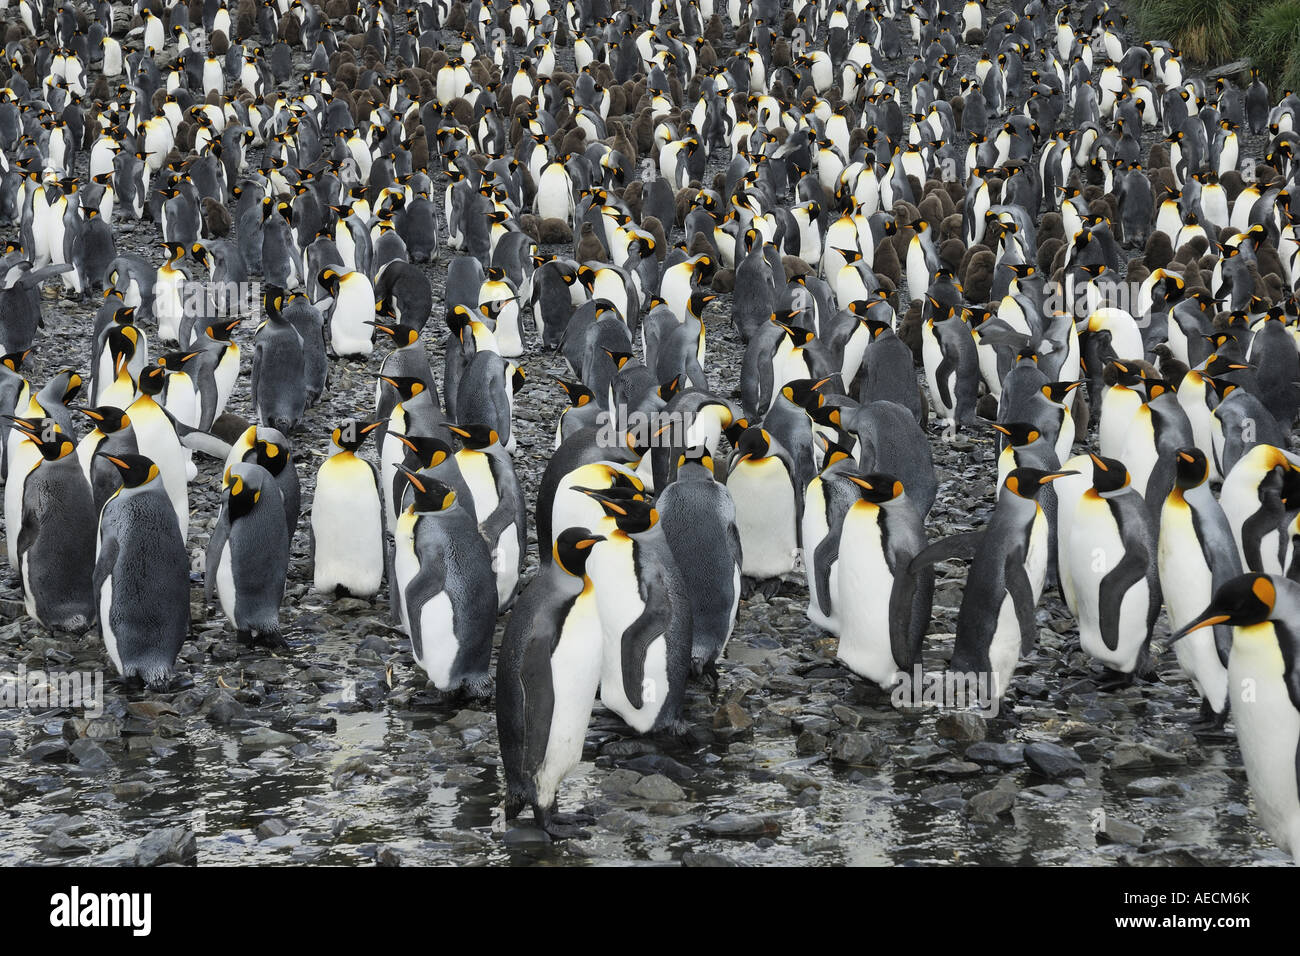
x: 906, y: 604
x: 960, y: 546
x: 538, y: 694
x: 1022, y: 598
x: 947, y: 368
x: 1131, y: 569
x: 824, y: 555
x: 640, y: 634
x: 104, y: 566
x: 427, y: 584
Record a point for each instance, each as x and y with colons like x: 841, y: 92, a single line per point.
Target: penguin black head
x: 578, y: 394
x: 1059, y: 392
x: 1242, y: 602
x: 699, y: 455
x: 176, y: 361
x: 630, y: 511
x: 805, y: 393
x: 1108, y: 474
x: 223, y: 331
x: 754, y: 443
x: 1191, y: 468
x: 107, y: 418
x: 271, y: 455
x: 431, y: 495
x: 572, y: 548
x: 351, y: 435
x: 243, y: 490
x: 424, y: 450
x: 1019, y: 434
x: 136, y: 470
x: 876, y: 487
x: 475, y: 436
x: 152, y: 379
x: 408, y: 386
x: 14, y: 360
x: 1028, y: 482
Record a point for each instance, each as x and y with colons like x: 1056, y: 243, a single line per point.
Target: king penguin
x: 548, y: 673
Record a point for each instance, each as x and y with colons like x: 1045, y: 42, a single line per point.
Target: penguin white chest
x: 765, y: 514
x: 575, y: 677
x: 864, y: 585
x: 1268, y: 730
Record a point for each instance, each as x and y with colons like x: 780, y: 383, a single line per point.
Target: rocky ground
x: 334, y: 752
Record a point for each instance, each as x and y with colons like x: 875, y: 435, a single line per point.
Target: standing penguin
x: 761, y: 480
x: 548, y: 673
x: 645, y: 614
x: 1113, y: 569
x: 883, y: 608
x: 347, y: 519
x: 441, y: 588
x: 279, y: 385
x: 952, y: 370
x: 995, y: 624
x: 699, y: 521
x: 141, y: 581
x: 248, y: 554
x: 499, y: 504
x: 1197, y: 556
x: 1264, y: 613
x: 56, y: 541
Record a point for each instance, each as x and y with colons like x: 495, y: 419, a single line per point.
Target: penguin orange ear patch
x: 1264, y: 590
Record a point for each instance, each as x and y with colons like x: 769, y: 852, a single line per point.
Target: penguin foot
x: 1209, y: 725
x: 561, y: 826
x: 709, y: 675
x: 477, y: 688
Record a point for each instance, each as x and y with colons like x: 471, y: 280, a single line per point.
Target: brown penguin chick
x: 1171, y: 370
x: 1051, y: 227
x: 345, y: 76
x: 935, y: 188
x: 216, y: 219
x: 1159, y: 250
x: 909, y: 330
x: 701, y: 245
x: 930, y: 209
x: 1158, y: 157
x: 950, y: 228
x: 589, y: 248
x: 652, y: 225
x: 781, y: 53
x: 530, y: 225
x: 682, y: 203
x: 714, y: 31
x: 456, y: 18
x: 1270, y: 265
x: 575, y: 141
x: 794, y: 266
x: 1137, y: 273
x: 1057, y: 266
x: 290, y: 30
x: 724, y: 281
x: 645, y: 130
x: 986, y: 407
x: 886, y: 263
x: 950, y: 253
x: 617, y: 100
x: 977, y: 274
x: 219, y: 43
x: 632, y: 198
x: 1232, y: 184
x: 554, y: 232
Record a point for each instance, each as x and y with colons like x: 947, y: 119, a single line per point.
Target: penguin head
x: 135, y: 470
x: 1108, y: 474
x: 1028, y: 482
x: 1019, y: 434
x: 270, y: 450
x: 350, y: 435
x: 243, y: 486
x: 1059, y: 392
x: 14, y: 360
x: 152, y: 379
x: 1244, y: 601
x: 408, y: 386
x: 754, y: 444
x: 698, y: 457
x: 1191, y: 468
x: 572, y: 548
x: 876, y: 487
x: 475, y: 436
x: 805, y: 393
x: 578, y: 394
x: 632, y: 514
x: 423, y: 451
x: 107, y: 418
x: 431, y: 495
x: 670, y: 388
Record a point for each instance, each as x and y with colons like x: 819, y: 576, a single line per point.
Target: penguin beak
x: 1048, y: 479
x: 1206, y: 620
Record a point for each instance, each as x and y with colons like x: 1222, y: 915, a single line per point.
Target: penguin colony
x: 1122, y: 318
